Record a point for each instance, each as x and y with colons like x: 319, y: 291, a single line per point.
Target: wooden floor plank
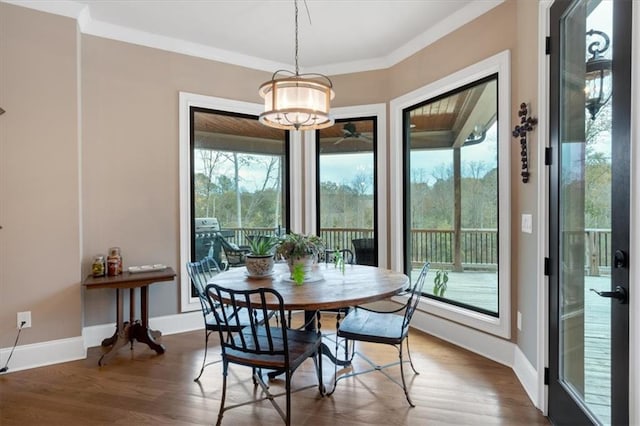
x: 139, y: 387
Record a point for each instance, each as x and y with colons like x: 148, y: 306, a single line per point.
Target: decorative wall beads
x: 527, y: 123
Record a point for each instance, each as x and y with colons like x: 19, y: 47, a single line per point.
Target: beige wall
x: 39, y: 180
x: 485, y: 36
x: 513, y: 26
x: 525, y: 89
x: 130, y: 155
x: 129, y: 160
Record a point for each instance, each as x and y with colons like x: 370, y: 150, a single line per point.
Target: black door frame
x: 562, y: 408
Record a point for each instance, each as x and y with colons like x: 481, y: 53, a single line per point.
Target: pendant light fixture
x: 294, y: 101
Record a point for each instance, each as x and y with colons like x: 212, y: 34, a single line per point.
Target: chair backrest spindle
x: 200, y: 273
x: 414, y: 296
x: 258, y: 337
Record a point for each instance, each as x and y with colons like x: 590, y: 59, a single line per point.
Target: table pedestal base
x: 146, y: 335
x: 126, y: 336
x: 127, y: 331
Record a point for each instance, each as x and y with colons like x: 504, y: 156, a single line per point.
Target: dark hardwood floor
x: 139, y: 387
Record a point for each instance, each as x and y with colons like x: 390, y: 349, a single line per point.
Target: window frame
x: 374, y: 151
x: 498, y: 64
x: 187, y: 101
x: 371, y: 111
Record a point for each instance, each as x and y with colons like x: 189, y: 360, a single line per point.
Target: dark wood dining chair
x: 200, y: 273
x: 364, y: 251
x: 268, y: 345
x: 235, y: 255
x: 385, y: 327
x: 347, y: 256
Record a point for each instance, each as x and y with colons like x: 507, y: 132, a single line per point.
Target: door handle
x: 620, y: 293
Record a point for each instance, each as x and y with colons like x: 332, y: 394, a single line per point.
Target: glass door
x: 589, y: 212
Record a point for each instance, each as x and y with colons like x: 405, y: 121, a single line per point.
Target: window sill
x: 498, y: 326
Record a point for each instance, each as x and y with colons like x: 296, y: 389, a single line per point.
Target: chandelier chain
x: 296, y: 33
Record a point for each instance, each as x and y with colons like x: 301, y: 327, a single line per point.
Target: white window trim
x: 296, y: 187
x: 356, y: 111
x: 499, y: 63
x: 186, y: 101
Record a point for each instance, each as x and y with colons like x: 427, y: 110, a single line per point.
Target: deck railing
x: 340, y: 238
x: 596, y: 245
x: 478, y: 247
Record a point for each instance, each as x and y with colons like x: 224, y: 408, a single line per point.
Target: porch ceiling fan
x: 349, y: 132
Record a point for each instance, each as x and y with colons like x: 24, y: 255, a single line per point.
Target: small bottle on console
x: 114, y: 262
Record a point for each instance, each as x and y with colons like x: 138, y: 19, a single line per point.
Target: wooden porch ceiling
x: 443, y: 123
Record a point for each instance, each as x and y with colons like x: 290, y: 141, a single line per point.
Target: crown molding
x: 90, y: 26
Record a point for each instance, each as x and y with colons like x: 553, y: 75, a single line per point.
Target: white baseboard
x: 527, y: 374
x: 64, y: 350
x: 168, y: 324
x: 484, y: 344
x: 45, y: 353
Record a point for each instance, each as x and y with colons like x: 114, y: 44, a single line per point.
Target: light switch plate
x: 527, y: 223
x: 519, y: 321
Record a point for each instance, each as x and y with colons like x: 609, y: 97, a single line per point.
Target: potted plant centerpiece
x: 300, y: 251
x: 259, y: 261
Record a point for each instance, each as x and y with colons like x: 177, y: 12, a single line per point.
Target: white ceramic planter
x: 259, y: 266
x: 306, y: 262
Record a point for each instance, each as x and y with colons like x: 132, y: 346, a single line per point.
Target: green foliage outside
x: 241, y: 190
x: 432, y: 197
x: 341, y: 207
x: 440, y: 282
x: 597, y: 173
x: 347, y: 205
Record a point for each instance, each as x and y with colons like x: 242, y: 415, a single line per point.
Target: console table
x: 127, y: 331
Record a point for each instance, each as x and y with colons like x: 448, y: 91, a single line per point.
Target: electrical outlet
x: 26, y: 317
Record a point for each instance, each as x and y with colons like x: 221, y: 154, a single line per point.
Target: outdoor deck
x: 479, y: 289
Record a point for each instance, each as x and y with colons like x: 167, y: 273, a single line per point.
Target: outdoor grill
x: 206, y: 229
x: 206, y: 225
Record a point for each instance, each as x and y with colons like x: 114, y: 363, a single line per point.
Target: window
x: 454, y: 172
x: 236, y: 182
x: 452, y: 199
x: 346, y: 188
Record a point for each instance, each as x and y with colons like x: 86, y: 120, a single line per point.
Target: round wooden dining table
x: 327, y: 288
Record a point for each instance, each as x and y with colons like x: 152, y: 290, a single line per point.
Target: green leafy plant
x: 440, y: 282
x: 295, y: 246
x: 298, y: 273
x: 262, y: 245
